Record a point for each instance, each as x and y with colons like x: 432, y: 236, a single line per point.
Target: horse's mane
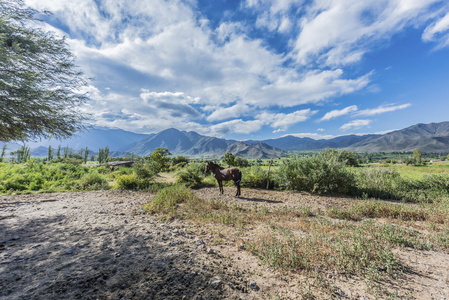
x: 214, y: 165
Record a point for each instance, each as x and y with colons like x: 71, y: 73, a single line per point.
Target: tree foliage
x: 229, y: 159
x: 40, y: 84
x: 417, y: 157
x: 160, y: 157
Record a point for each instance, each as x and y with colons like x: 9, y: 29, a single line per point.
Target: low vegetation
x: 341, y: 240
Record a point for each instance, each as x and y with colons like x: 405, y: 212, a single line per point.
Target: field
x: 378, y: 232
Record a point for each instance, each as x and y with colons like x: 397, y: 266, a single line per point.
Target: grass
x: 346, y: 241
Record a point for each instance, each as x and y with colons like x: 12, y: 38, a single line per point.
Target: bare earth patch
x: 99, y: 245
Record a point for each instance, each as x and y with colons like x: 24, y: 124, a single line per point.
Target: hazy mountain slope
x: 95, y: 138
x: 433, y: 137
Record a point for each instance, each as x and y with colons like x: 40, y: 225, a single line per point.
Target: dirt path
x: 98, y: 245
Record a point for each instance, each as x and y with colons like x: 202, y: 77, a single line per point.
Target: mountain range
x: 431, y: 138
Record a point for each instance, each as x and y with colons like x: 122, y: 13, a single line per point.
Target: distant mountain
x: 95, y: 138
x: 433, y: 137
x: 292, y: 143
x: 193, y: 144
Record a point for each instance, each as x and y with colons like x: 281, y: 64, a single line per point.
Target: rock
x: 210, y: 251
x: 69, y: 251
x: 253, y: 286
x: 216, y: 282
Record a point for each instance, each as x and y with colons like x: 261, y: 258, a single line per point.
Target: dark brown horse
x: 222, y: 174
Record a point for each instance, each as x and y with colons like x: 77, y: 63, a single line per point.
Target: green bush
x: 256, y: 177
x: 144, y: 169
x: 317, y: 174
x: 385, y: 183
x: 92, y: 181
x: 192, y: 175
x: 132, y: 182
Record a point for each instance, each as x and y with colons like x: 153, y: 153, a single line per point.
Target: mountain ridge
x: 432, y: 137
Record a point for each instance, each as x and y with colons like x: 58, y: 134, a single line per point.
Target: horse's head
x: 208, y: 167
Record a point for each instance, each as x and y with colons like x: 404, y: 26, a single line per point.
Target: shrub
x: 132, y: 182
x: 144, y: 169
x: 317, y: 174
x: 387, y: 183
x: 255, y: 177
x: 92, y: 181
x: 192, y: 175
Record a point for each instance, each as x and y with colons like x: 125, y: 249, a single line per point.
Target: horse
x: 221, y: 174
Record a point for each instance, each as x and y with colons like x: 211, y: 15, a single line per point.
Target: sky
x: 259, y: 69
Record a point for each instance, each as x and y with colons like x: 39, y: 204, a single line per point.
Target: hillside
x: 192, y: 144
x: 433, y: 137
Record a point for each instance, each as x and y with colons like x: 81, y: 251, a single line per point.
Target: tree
x: 101, y: 155
x: 241, y: 162
x: 181, y: 160
x: 58, y: 152
x: 86, y: 154
x: 50, y: 153
x: 39, y: 79
x: 2, y: 156
x: 106, y: 153
x: 159, y: 156
x: 417, y: 156
x: 229, y: 159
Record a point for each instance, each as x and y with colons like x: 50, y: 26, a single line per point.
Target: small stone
x: 69, y: 251
x: 216, y: 282
x: 210, y: 251
x: 253, y: 286
x: 329, y: 276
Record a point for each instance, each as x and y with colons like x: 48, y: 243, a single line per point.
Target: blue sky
x: 259, y: 69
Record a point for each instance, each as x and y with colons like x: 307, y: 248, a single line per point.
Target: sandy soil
x: 99, y: 245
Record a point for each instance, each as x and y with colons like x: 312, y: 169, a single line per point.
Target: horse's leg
x: 238, y: 189
x: 220, y: 185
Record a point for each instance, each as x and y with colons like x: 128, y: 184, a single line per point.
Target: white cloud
x: 234, y: 111
x: 338, y: 113
x: 312, y: 135
x: 164, y: 64
x: 237, y: 125
x: 284, y: 121
x: 438, y: 32
x: 355, y: 124
x: 340, y: 32
x: 382, y: 109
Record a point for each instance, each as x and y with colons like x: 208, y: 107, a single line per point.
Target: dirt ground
x: 99, y: 245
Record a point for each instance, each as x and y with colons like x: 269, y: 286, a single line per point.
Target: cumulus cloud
x: 341, y: 32
x: 163, y: 63
x: 355, y: 124
x: 284, y: 121
x: 234, y: 111
x: 237, y: 125
x: 338, y: 113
